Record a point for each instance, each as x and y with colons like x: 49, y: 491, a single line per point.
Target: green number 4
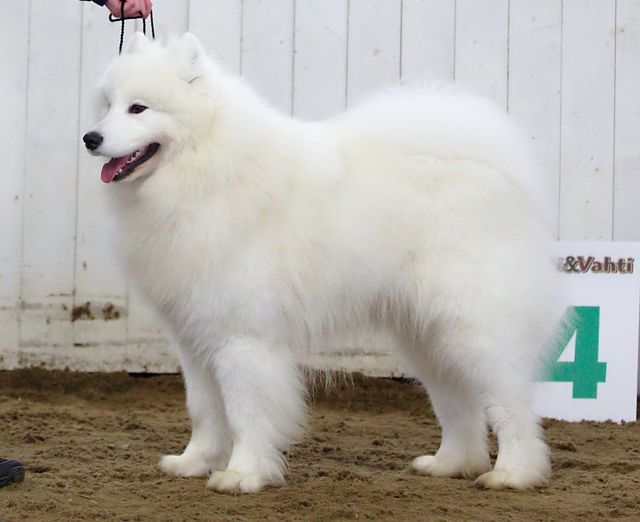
x: 585, y: 371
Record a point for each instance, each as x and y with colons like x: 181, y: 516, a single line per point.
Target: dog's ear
x: 138, y: 43
x: 190, y: 55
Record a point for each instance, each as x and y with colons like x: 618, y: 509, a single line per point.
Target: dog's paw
x: 184, y: 466
x: 236, y: 482
x: 439, y: 467
x: 503, y: 479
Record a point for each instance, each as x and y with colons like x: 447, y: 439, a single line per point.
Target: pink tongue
x: 110, y: 169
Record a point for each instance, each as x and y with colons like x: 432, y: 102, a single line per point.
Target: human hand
x: 131, y: 8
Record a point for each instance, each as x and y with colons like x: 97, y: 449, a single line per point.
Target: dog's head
x: 153, y: 99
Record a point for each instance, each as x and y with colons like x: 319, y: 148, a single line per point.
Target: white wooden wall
x: 569, y: 70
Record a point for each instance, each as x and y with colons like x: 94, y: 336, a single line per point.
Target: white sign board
x: 594, y: 371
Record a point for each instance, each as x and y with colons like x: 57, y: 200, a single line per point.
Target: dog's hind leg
x: 506, y: 367
x: 208, y: 448
x: 263, y: 398
x: 523, y: 457
x: 463, y: 450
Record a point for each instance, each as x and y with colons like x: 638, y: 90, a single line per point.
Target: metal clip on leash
x: 122, y: 20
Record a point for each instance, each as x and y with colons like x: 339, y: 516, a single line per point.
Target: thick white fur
x: 259, y: 237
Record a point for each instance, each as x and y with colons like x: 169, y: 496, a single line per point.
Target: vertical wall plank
x: 428, y: 37
x: 586, y: 185
x: 320, y: 59
x: 626, y: 222
x: 267, y: 49
x: 535, y: 47
x: 218, y: 25
x: 50, y: 174
x: 374, y: 46
x: 14, y: 45
x: 482, y: 39
x: 98, y: 278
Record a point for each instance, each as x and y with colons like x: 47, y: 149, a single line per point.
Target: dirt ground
x: 90, y: 443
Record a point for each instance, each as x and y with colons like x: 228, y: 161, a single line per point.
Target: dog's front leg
x: 263, y: 398
x: 209, y: 447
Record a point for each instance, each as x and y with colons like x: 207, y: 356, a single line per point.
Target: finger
x: 117, y: 11
x: 132, y: 8
x: 142, y: 8
x: 147, y: 7
x: 114, y: 7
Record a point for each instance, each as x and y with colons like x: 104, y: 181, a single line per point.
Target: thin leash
x: 122, y: 20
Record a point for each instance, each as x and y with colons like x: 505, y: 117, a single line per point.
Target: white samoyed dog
x: 260, y: 238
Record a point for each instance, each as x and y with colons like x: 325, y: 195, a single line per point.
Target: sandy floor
x: 91, y: 442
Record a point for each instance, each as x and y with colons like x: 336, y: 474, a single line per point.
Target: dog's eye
x: 137, y: 109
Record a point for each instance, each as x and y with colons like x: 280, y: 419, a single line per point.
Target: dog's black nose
x: 92, y: 140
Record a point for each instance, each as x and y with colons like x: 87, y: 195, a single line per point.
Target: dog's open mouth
x: 117, y: 169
